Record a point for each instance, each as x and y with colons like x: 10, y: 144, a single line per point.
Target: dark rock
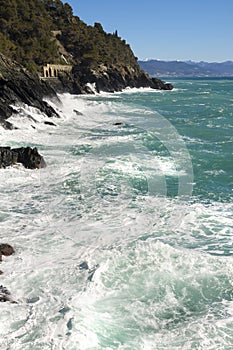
x: 92, y: 272
x: 29, y: 157
x: 118, y: 123
x: 83, y: 266
x: 64, y: 310
x: 5, y: 295
x: 160, y: 85
x: 18, y: 86
x: 168, y: 86
x: 115, y: 78
x: 69, y: 324
x: 6, y: 249
x: 105, y: 78
x: 49, y: 123
x: 77, y: 112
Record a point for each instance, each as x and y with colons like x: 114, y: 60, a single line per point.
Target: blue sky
x: 166, y: 29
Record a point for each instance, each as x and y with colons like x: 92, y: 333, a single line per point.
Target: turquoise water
x: 147, y: 205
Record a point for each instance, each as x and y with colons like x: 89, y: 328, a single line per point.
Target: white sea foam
x: 27, y: 117
x: 158, y: 279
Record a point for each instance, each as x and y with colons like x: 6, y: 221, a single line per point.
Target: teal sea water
x: 125, y: 240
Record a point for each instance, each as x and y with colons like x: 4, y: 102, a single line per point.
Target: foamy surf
x: 109, y: 253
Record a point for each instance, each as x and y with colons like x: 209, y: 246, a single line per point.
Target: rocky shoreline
x: 27, y: 156
x: 104, y: 78
x: 19, y: 86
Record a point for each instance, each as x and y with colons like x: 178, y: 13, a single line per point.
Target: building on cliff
x: 52, y: 70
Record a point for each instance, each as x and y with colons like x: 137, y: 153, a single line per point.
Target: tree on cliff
x: 26, y: 36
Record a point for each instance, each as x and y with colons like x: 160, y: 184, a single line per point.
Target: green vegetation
x: 27, y: 35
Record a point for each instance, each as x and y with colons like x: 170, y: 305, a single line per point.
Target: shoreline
x: 20, y: 86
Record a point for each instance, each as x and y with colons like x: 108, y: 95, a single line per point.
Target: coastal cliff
x: 38, y: 33
x: 20, y: 86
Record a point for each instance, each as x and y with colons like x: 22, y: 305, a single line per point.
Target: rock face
x: 112, y: 79
x: 16, y: 85
x: 88, y: 54
x: 29, y: 157
x: 105, y: 78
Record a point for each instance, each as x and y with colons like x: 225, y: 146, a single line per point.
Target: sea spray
x: 162, y: 263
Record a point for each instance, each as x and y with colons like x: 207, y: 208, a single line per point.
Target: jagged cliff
x: 37, y: 32
x: 17, y: 85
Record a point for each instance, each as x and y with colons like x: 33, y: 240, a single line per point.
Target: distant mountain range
x: 187, y: 68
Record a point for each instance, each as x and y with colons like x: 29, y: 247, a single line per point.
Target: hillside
x: 35, y: 34
x: 29, y: 29
x: 187, y: 68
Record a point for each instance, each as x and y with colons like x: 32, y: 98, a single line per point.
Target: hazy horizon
x: 185, y: 60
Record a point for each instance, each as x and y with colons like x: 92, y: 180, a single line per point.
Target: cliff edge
x: 19, y: 86
x: 45, y: 33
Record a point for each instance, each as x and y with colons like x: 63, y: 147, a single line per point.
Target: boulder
x: 6, y: 249
x: 29, y: 157
x: 160, y: 84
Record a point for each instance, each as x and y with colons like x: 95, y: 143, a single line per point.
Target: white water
x: 153, y: 287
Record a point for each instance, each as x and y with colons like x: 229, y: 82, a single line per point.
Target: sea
x: 125, y: 240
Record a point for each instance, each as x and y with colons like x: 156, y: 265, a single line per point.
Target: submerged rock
x: 91, y: 271
x: 77, y: 112
x: 32, y: 300
x: 83, y: 266
x: 29, y: 157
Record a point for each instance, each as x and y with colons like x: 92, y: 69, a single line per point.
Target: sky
x: 198, y: 30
